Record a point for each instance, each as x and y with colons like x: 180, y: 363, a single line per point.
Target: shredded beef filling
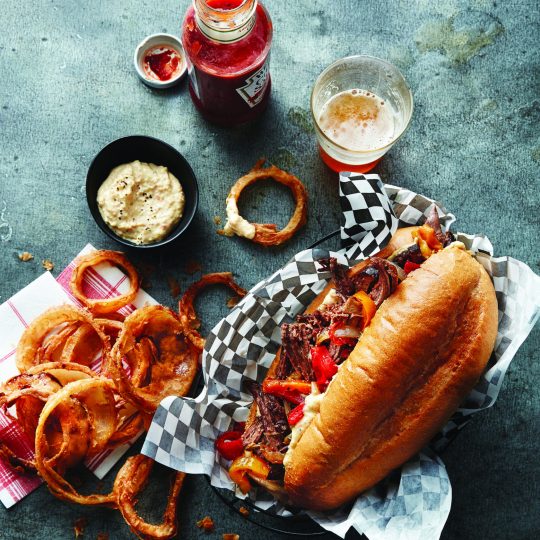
x: 253, y: 433
x: 296, y: 339
x: 273, y: 418
x: 412, y: 253
x: 378, y: 279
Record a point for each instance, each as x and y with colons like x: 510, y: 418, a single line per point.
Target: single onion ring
x: 63, y: 372
x: 78, y: 391
x: 110, y: 326
x: 265, y: 234
x: 130, y: 481
x: 108, y: 305
x: 186, y: 309
x: 171, y: 372
x: 81, y: 346
x: 28, y: 409
x: 14, y: 461
x: 130, y: 429
x: 33, y: 337
x: 67, y: 446
x: 40, y: 386
x: 41, y: 382
x: 29, y: 391
x: 54, y: 345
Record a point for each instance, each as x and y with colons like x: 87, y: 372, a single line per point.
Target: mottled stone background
x: 68, y: 88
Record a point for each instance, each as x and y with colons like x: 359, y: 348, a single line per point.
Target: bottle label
x: 253, y: 91
x: 230, y: 35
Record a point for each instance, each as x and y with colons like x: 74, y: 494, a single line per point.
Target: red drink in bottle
x: 227, y: 45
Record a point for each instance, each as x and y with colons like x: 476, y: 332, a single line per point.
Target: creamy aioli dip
x: 330, y: 299
x: 141, y: 202
x: 236, y: 224
x: 456, y: 244
x: 312, y: 405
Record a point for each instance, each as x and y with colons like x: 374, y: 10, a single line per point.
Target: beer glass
x: 361, y: 105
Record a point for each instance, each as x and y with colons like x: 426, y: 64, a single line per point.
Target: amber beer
x: 361, y: 106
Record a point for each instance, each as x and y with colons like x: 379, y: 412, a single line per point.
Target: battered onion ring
x: 40, y: 382
x: 171, y: 373
x: 68, y: 435
x: 63, y: 372
x: 33, y: 337
x: 53, y: 346
x: 14, y: 461
x: 186, y: 309
x: 130, y: 481
x: 82, y: 344
x: 28, y: 410
x: 131, y: 428
x: 108, y: 305
x: 40, y: 386
x: 79, y: 391
x: 265, y: 234
x: 110, y: 326
x: 29, y: 391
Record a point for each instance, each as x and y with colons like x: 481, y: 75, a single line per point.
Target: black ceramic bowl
x: 149, y: 150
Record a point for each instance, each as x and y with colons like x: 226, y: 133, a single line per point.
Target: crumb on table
x: 25, y: 256
x: 79, y: 526
x: 244, y: 511
x: 206, y: 524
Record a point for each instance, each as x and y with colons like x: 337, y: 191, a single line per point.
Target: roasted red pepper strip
x: 229, y: 444
x: 296, y: 415
x: 293, y: 391
x: 323, y: 365
x: 410, y: 266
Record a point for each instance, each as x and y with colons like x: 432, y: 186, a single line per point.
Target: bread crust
x: 418, y: 359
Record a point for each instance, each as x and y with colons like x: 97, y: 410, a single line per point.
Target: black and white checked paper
x: 414, y: 502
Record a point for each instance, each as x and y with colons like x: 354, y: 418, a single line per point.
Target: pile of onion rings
x: 89, y: 381
x: 265, y: 234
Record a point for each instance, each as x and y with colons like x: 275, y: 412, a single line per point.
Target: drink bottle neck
x: 225, y: 21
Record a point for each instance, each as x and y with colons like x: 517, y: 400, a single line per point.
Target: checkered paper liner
x: 102, y: 281
x: 414, y: 502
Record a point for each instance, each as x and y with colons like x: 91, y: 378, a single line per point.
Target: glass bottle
x: 227, y: 45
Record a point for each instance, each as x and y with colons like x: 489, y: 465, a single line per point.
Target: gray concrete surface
x: 68, y: 87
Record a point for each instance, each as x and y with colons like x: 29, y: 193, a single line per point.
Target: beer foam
x: 358, y: 120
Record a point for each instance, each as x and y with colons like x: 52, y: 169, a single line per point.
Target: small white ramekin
x: 149, y: 43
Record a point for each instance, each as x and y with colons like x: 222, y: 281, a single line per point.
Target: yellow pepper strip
x: 368, y: 307
x: 245, y: 464
x: 427, y: 241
